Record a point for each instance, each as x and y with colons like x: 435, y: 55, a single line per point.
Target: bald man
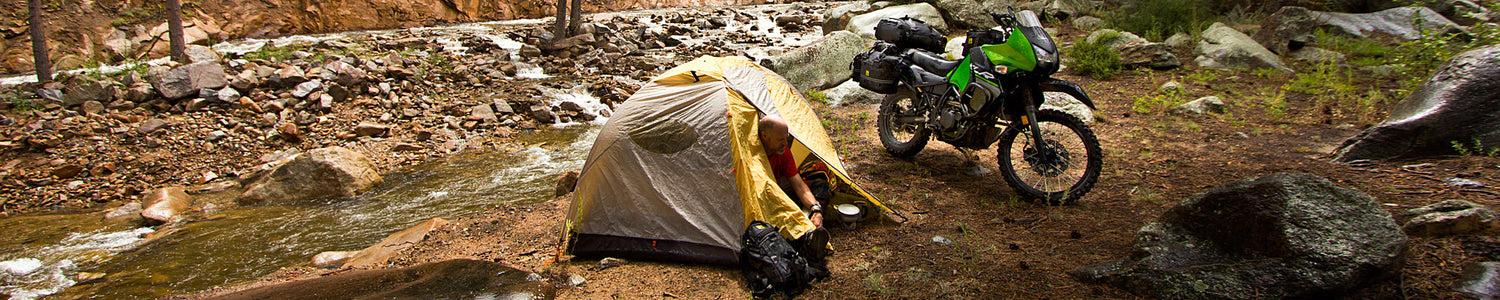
x: 777, y: 140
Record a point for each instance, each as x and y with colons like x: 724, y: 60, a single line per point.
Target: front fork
x: 1032, y: 102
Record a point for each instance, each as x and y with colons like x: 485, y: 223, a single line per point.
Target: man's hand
x: 817, y: 219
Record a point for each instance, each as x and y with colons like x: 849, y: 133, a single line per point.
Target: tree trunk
x: 39, y: 42
x: 560, y: 30
x: 577, y: 17
x: 174, y: 31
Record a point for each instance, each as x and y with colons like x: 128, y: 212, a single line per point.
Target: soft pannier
x: 878, y: 69
x: 907, y: 32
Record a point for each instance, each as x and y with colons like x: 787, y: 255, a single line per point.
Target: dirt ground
x: 1006, y: 248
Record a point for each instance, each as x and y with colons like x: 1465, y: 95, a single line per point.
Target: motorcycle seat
x: 933, y: 63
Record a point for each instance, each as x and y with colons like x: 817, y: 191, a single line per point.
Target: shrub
x: 1096, y: 60
x: 1416, y: 59
x: 1157, y: 19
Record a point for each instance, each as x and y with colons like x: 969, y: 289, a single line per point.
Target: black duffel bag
x: 907, y: 32
x: 772, y: 266
x: 878, y: 68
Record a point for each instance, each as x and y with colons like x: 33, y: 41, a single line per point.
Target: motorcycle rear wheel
x: 1051, y: 172
x: 902, y: 139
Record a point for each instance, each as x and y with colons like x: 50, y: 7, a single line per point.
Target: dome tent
x: 677, y: 173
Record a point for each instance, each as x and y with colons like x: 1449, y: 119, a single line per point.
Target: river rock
x: 288, y: 76
x: 1210, y: 104
x: 307, y: 88
x: 376, y: 255
x: 187, y: 80
x: 344, y: 74
x: 566, y: 182
x: 197, y: 53
x: 164, y: 204
x: 484, y: 112
x: 371, y: 129
x: 1273, y: 237
x: 820, y: 65
x: 129, y: 209
x: 864, y: 25
x: 543, y: 114
x: 82, y: 89
x: 1452, y: 217
x: 1439, y: 113
x: 227, y: 95
x: 332, y: 259
x: 1225, y: 48
x: 971, y: 13
x: 318, y: 173
x: 449, y: 279
x: 149, y: 126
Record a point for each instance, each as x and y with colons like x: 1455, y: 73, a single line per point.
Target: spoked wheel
x: 1061, y: 168
x: 903, y: 128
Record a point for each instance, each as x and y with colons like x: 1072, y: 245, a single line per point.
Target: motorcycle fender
x: 1072, y: 89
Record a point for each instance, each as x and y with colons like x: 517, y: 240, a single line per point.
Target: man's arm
x: 804, y: 197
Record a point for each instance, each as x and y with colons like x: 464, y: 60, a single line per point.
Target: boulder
x: 127, y: 210
x: 377, y: 254
x: 80, y: 89
x: 1225, y: 48
x: 971, y: 13
x: 1210, y: 104
x: 1452, y: 217
x: 1273, y: 237
x: 837, y: 18
x: 1480, y: 280
x: 1088, y: 23
x: 1468, y: 13
x: 1136, y: 52
x: 1403, y: 22
x: 164, y: 204
x: 197, y: 53
x: 449, y: 279
x: 187, y: 80
x: 1065, y: 103
x: 820, y: 65
x: 318, y: 173
x: 344, y: 74
x: 850, y: 92
x: 1289, y: 29
x: 864, y: 25
x: 1457, y: 104
x: 543, y: 114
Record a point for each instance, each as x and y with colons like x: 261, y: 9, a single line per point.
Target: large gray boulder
x: 1273, y: 237
x: 850, y: 92
x: 971, y: 13
x: 820, y: 65
x: 187, y: 80
x: 1225, y: 48
x: 1403, y: 22
x: 1288, y: 29
x: 1457, y: 104
x: 1136, y: 52
x: 82, y: 89
x: 864, y: 25
x: 837, y: 18
x: 318, y: 173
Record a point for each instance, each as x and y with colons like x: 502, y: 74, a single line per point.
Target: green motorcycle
x: 994, y: 94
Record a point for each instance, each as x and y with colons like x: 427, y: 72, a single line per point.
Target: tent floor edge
x: 634, y: 248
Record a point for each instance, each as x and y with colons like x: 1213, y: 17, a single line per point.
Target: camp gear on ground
x: 908, y: 32
x: 771, y: 265
x: 878, y: 69
x: 994, y: 94
x: 678, y: 171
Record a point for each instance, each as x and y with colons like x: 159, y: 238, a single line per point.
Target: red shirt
x: 782, y: 164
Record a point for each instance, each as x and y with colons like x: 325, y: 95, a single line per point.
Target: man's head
x: 774, y: 135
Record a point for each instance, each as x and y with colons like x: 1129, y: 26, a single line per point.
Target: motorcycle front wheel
x: 903, y: 128
x: 1061, y: 168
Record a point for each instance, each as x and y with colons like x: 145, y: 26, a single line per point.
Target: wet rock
x: 151, y: 125
x: 529, y: 51
x: 1452, y: 217
x: 971, y: 13
x: 164, y: 204
x: 186, y: 80
x: 864, y: 25
x: 1438, y: 113
x: 820, y: 65
x: 1225, y: 48
x: 377, y: 254
x: 1210, y: 104
x: 127, y: 210
x: 67, y: 171
x: 566, y: 182
x: 450, y: 279
x: 543, y: 114
x: 849, y: 93
x: 332, y: 259
x: 371, y: 129
x: 1480, y: 280
x: 570, y: 106
x: 318, y: 173
x: 1278, y: 236
x: 82, y: 89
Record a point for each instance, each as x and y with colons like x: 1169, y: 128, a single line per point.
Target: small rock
x: 86, y: 277
x: 289, y: 132
x: 307, y: 88
x: 371, y: 129
x: 91, y: 108
x: 228, y: 94
x: 543, y: 114
x: 102, y: 169
x: 1462, y: 182
x: 250, y: 105
x: 1210, y: 104
x: 610, y: 262
x: 403, y: 147
x: 1170, y: 87
x: 67, y: 172
x: 332, y: 259
x: 151, y: 125
x: 570, y: 106
x: 1452, y: 217
x: 576, y: 281
x: 942, y: 240
x: 484, y: 112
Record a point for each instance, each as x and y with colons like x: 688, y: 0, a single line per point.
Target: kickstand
x: 971, y: 161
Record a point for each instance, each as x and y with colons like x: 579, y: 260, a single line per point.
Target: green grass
x: 817, y: 96
x: 1157, y: 104
x: 1203, y: 76
x: 1157, y: 19
x: 272, y: 53
x: 1360, y: 52
x: 1096, y: 60
x: 1476, y: 148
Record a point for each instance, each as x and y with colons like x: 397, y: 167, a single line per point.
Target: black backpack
x: 771, y: 264
x: 878, y: 68
x: 908, y: 32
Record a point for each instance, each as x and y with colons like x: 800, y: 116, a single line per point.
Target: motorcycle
x: 995, y: 94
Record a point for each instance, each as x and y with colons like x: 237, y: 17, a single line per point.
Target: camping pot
x: 849, y: 214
